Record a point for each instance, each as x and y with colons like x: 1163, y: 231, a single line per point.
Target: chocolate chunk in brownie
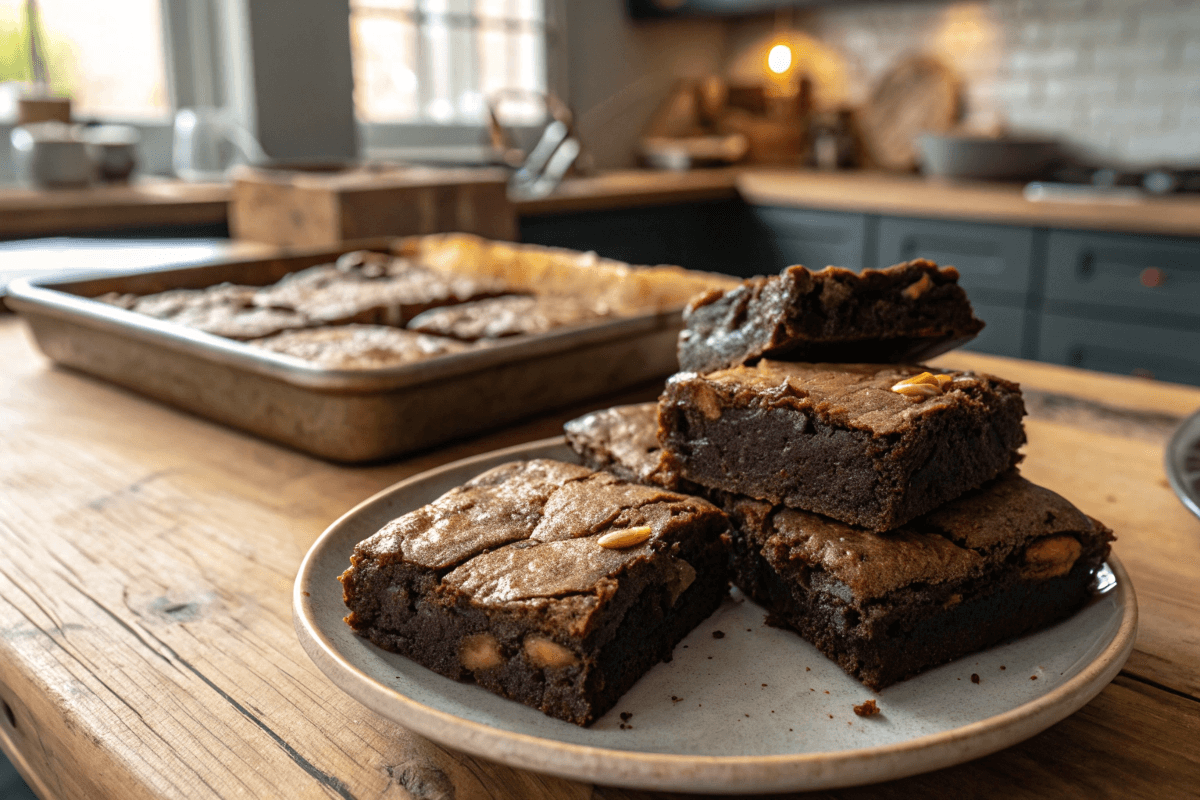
x: 359, y: 346
x: 542, y: 581
x: 1003, y: 560
x: 224, y: 310
x: 511, y: 315
x: 836, y: 439
x: 905, y: 313
x: 370, y: 288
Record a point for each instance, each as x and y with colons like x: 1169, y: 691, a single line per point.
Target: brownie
x: 622, y: 440
x: 359, y: 346
x: 837, y: 439
x: 507, y: 581
x: 511, y: 315
x: 370, y: 288
x: 225, y: 310
x: 1002, y: 561
x: 905, y: 313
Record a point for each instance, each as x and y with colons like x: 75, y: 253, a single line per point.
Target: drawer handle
x: 1086, y: 266
x: 1153, y: 277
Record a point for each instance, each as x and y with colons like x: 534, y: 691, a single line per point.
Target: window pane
x: 385, y: 67
x: 462, y: 51
x: 107, y: 55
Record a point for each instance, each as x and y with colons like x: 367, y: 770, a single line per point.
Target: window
x: 437, y: 61
x: 107, y: 55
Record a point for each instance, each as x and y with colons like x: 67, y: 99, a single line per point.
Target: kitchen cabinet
x: 1126, y: 348
x: 701, y: 235
x: 779, y: 237
x: 995, y: 262
x: 1151, y: 279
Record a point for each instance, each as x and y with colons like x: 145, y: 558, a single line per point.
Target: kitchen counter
x: 146, y: 641
x: 149, y: 203
x: 25, y: 212
x: 914, y: 196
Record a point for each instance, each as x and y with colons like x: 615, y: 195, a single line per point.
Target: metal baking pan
x: 342, y: 415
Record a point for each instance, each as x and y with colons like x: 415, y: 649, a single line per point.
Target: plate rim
x: 1173, y: 457
x: 698, y: 773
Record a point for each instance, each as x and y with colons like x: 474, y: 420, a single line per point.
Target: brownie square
x: 837, y: 439
x: 360, y: 346
x: 905, y: 313
x: 512, y: 581
x: 370, y: 288
x: 622, y: 440
x: 511, y: 315
x: 223, y: 310
x: 1000, y: 562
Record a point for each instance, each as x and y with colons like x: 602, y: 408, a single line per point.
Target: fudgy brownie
x: 511, y: 315
x: 905, y: 313
x: 542, y: 581
x: 359, y: 346
x: 370, y: 288
x: 225, y: 310
x: 622, y: 440
x: 841, y: 439
x: 1004, y: 560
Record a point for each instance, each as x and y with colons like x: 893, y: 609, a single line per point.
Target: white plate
x: 728, y: 732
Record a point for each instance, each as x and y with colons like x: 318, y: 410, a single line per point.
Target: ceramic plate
x: 758, y: 710
x: 1183, y: 462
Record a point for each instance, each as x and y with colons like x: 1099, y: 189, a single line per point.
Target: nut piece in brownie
x: 371, y: 288
x: 856, y: 442
x: 510, y: 315
x: 622, y: 440
x: 542, y: 581
x: 359, y: 346
x: 1004, y: 560
x: 905, y: 313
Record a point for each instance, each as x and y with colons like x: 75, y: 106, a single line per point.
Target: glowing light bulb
x: 779, y: 59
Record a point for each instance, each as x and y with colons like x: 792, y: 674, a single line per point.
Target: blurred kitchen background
x: 1050, y: 149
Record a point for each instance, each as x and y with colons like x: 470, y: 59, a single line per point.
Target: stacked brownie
x: 876, y: 507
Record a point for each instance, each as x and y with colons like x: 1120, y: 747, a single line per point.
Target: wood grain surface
x: 147, y: 204
x: 146, y: 642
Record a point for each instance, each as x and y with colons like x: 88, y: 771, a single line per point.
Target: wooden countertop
x: 25, y: 212
x: 913, y: 196
x: 143, y: 204
x: 146, y: 641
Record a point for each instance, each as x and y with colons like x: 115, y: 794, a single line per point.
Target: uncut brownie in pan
x: 838, y: 439
x: 909, y: 312
x: 1001, y: 561
x: 544, y: 582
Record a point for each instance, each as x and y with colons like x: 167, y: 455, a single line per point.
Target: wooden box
x: 312, y: 209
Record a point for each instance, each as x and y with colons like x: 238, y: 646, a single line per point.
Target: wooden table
x: 146, y: 642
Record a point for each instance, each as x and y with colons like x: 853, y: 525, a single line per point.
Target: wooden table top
x: 146, y: 641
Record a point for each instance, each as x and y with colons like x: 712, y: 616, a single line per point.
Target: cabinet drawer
x: 996, y: 259
x: 1125, y: 348
x: 1003, y: 335
x: 1136, y: 273
x: 652, y: 235
x: 780, y: 237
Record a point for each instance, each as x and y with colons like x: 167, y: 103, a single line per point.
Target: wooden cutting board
x: 919, y: 95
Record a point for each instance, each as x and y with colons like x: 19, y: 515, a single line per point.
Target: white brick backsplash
x: 1118, y: 77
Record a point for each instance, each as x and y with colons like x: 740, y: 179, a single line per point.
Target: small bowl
x: 113, y: 150
x: 50, y: 155
x: 990, y: 158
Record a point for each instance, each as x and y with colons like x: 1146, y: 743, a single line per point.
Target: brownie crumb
x: 306, y: 594
x: 747, y: 715
x: 867, y: 709
x: 808, y: 669
x: 831, y: 716
x: 1001, y: 666
x: 1033, y: 677
x: 675, y: 699
x: 974, y: 677
x: 749, y: 630
x: 718, y: 635
x: 826, y: 691
x: 764, y: 686
x: 625, y: 715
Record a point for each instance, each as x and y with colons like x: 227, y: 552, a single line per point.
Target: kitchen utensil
x: 918, y: 95
x: 993, y: 158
